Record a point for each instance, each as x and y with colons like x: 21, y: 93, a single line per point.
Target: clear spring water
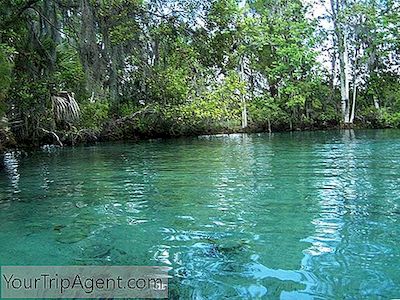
x: 293, y: 215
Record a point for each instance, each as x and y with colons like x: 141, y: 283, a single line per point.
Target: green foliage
x: 94, y: 114
x: 124, y: 32
x: 386, y: 88
x: 329, y: 115
x: 69, y: 74
x: 127, y: 109
x: 389, y: 119
x: 171, y: 85
x: 6, y: 66
x: 191, y: 64
x: 265, y: 110
x: 215, y: 110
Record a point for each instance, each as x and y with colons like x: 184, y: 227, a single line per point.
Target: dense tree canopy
x: 183, y: 67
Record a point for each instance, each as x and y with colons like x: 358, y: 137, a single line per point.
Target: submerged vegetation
x: 75, y: 71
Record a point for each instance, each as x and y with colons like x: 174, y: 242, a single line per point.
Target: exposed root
x: 54, y: 134
x: 132, y: 116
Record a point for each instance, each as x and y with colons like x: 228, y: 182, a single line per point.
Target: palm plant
x: 65, y: 108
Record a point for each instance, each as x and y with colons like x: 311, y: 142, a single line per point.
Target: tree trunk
x: 333, y: 77
x: 372, y: 66
x: 353, y: 105
x: 244, y: 106
x: 244, y: 113
x: 111, y: 56
x: 344, y: 78
x: 376, y: 102
x: 342, y: 39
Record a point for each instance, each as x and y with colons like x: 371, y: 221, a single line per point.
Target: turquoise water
x: 293, y: 215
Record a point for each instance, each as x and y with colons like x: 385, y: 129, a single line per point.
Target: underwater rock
x: 72, y: 234
x: 216, y: 248
x: 103, y: 250
x: 33, y: 228
x: 232, y: 246
x: 122, y: 252
x: 99, y: 251
x: 58, y: 227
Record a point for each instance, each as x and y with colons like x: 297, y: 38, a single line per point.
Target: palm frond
x: 65, y: 107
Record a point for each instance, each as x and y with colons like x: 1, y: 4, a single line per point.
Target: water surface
x: 310, y: 215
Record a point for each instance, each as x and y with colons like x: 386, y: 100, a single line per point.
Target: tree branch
x: 55, y: 135
x: 26, y: 6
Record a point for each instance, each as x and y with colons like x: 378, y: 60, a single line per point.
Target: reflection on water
x: 294, y: 215
x: 11, y: 169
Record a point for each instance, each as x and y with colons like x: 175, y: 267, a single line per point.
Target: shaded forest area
x: 84, y: 70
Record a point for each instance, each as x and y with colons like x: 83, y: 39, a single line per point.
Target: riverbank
x: 125, y: 129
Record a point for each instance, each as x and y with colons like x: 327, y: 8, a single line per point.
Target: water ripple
x: 290, y: 216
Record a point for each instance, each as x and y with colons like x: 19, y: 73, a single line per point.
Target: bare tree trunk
x: 344, y: 78
x: 333, y: 75
x: 244, y: 105
x: 353, y: 105
x: 244, y: 113
x: 342, y: 39
x: 372, y: 62
x: 376, y: 102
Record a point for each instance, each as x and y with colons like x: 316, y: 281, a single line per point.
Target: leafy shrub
x: 5, y: 73
x: 69, y: 73
x: 390, y: 119
x: 265, y: 111
x: 94, y: 114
